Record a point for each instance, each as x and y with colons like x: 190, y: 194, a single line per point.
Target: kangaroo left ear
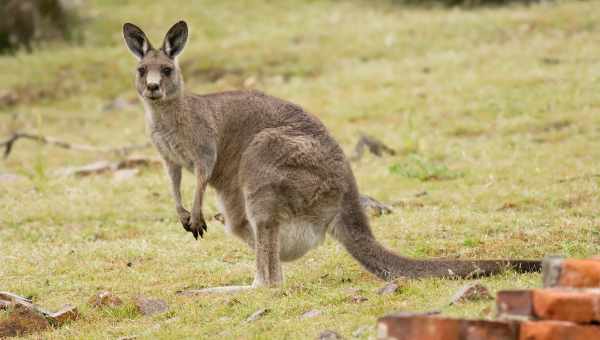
x: 175, y: 39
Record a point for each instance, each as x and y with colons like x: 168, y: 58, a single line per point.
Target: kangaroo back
x: 352, y: 229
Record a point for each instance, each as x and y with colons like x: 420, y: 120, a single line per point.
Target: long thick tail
x: 352, y: 229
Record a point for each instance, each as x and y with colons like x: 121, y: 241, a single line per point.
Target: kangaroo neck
x: 165, y: 113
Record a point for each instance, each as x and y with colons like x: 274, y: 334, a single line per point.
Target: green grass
x: 488, y: 108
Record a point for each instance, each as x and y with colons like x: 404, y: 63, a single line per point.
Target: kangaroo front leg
x: 174, y: 172
x: 197, y: 222
x: 268, y: 264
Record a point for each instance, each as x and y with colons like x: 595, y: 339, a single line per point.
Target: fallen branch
x: 373, y: 145
x: 576, y: 178
x: 122, y: 150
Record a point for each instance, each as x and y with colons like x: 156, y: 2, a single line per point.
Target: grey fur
x: 282, y: 181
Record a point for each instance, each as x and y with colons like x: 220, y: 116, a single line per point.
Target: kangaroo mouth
x: 153, y: 96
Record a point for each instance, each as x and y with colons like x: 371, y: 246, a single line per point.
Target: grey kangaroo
x: 281, y: 179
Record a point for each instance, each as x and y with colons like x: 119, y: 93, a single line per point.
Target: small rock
x: 329, y: 335
x: 150, y: 306
x: 471, y: 292
x: 257, y: 315
x: 374, y: 207
x: 22, y: 320
x: 10, y: 178
x: 124, y: 174
x: 105, y: 299
x: 86, y: 170
x: 389, y: 288
x: 118, y: 104
x: 138, y: 162
x: 360, y: 331
x: 67, y: 313
x: 311, y: 314
x: 358, y: 299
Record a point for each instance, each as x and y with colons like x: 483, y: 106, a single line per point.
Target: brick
x: 581, y: 306
x: 424, y: 327
x: 571, y: 273
x: 22, y: 320
x: 515, y: 303
x: 557, y: 330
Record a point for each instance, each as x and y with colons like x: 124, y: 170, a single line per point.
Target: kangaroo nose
x: 152, y: 86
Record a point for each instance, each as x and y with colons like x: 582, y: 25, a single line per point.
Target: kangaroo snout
x: 152, y: 87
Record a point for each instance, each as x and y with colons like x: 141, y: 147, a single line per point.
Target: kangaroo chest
x: 175, y: 146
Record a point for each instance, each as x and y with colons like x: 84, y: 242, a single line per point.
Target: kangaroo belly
x: 297, y: 237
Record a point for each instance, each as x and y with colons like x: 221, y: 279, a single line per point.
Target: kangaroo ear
x: 136, y: 40
x: 175, y: 39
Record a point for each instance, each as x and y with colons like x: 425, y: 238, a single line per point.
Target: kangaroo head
x: 158, y: 76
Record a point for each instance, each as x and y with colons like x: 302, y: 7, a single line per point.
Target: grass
x: 490, y: 110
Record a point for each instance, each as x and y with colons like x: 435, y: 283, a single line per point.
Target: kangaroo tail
x: 352, y: 229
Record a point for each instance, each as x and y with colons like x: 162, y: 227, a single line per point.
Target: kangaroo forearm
x: 175, y: 176
x: 201, y: 183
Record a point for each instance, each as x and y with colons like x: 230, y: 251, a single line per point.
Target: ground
x: 494, y: 113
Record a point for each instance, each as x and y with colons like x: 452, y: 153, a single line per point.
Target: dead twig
x: 374, y: 146
x: 8, y: 144
x: 576, y: 178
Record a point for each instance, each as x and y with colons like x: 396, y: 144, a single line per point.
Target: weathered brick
x: 568, y: 305
x: 581, y: 306
x: 571, y: 273
x: 557, y: 330
x: 423, y: 327
x: 514, y: 303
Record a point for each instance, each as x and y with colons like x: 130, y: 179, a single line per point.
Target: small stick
x: 122, y: 150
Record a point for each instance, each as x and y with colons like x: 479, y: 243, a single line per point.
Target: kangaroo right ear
x: 136, y: 40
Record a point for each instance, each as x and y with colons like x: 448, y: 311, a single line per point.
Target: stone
x: 10, y: 178
x: 389, y: 288
x: 373, y: 207
x: 358, y: 299
x: 147, y: 306
x: 138, y: 162
x: 311, y: 314
x: 329, y: 335
x: 471, y: 292
x: 105, y: 299
x: 95, y: 168
x: 258, y: 314
x: 124, y: 174
x: 65, y: 314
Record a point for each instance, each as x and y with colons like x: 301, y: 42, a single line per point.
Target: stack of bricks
x: 567, y: 308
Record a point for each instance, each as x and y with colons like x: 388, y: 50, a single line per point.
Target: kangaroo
x: 282, y: 181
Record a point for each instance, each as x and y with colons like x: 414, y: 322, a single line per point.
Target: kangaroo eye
x: 141, y: 71
x: 167, y: 71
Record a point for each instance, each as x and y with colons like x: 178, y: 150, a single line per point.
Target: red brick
x: 422, y: 327
x: 557, y: 330
x: 581, y: 306
x: 515, y: 303
x: 571, y: 273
